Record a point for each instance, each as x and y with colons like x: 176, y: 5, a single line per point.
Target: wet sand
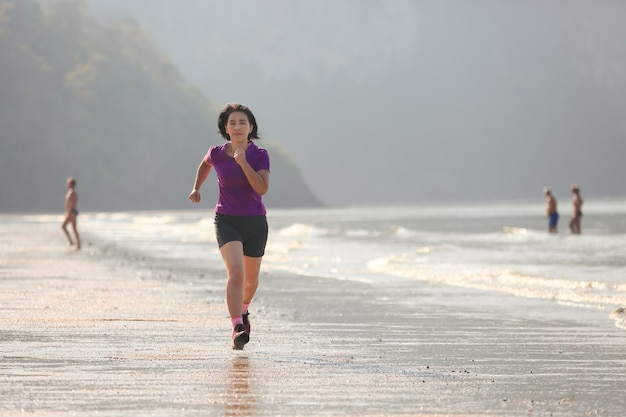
x: 83, y: 334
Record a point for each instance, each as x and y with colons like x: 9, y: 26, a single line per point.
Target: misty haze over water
x: 412, y: 101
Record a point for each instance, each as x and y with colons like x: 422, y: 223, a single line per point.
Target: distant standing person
x: 577, y: 201
x: 243, y: 174
x: 551, y: 211
x: 71, y: 211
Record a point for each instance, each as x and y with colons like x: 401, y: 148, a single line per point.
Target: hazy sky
x: 406, y: 101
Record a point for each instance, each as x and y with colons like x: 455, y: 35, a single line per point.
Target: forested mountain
x: 102, y: 103
x: 417, y: 100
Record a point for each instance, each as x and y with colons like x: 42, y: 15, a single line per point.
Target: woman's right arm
x: 201, y: 175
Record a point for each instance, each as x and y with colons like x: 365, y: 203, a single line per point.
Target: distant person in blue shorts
x: 553, y: 215
x: 577, y: 201
x: 71, y: 212
x: 243, y: 177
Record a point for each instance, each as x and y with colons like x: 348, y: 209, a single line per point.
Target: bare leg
x: 232, y: 254
x: 64, y: 227
x: 251, y: 283
x: 76, y: 233
x: 243, y: 276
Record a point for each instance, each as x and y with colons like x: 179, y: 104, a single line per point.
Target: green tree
x: 102, y: 103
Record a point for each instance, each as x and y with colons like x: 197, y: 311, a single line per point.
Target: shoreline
x: 82, y: 336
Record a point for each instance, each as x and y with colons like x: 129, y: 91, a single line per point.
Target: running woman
x: 243, y: 174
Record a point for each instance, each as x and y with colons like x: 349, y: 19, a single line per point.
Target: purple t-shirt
x: 237, y: 197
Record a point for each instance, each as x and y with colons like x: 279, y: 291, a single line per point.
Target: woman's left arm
x: 259, y: 180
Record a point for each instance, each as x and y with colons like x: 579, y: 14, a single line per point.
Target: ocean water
x: 496, y: 248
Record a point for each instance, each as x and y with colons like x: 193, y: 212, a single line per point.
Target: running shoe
x: 246, y: 322
x: 240, y: 337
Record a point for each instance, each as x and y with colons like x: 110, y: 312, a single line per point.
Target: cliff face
x: 102, y: 103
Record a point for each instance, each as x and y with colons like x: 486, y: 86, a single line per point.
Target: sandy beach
x: 87, y: 334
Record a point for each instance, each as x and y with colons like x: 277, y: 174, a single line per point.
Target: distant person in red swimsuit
x: 577, y: 201
x: 71, y: 212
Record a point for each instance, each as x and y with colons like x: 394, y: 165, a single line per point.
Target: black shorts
x: 251, y: 231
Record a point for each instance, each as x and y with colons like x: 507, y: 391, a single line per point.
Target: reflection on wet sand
x: 239, y: 400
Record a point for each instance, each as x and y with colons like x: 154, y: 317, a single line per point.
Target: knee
x: 236, y: 276
x: 252, y: 281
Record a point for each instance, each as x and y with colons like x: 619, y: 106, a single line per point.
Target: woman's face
x: 238, y: 126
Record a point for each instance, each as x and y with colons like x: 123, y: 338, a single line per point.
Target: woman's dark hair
x: 230, y: 108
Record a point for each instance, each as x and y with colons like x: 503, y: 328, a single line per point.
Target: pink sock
x: 244, y: 308
x: 236, y: 320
